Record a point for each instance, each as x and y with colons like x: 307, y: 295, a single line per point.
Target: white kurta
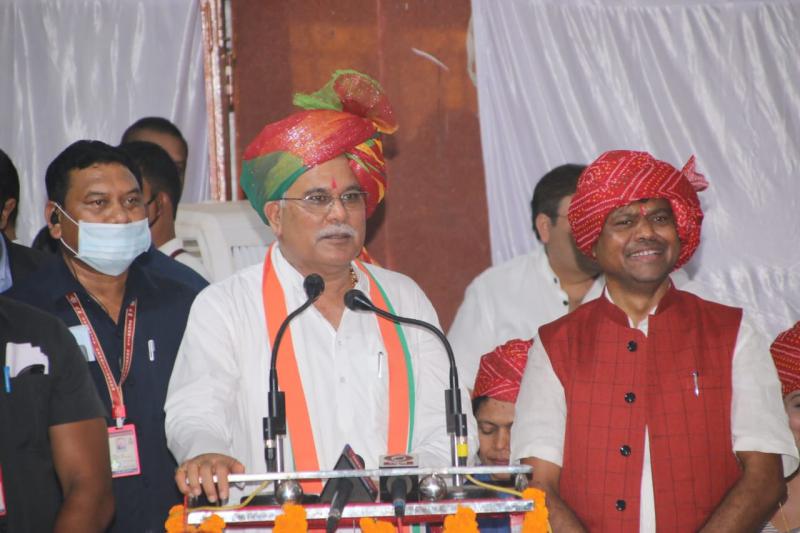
x: 217, y: 395
x: 508, y: 301
x: 186, y: 258
x: 758, y: 419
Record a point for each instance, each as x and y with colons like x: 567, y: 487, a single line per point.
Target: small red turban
x: 620, y: 177
x: 785, y: 352
x: 500, y: 371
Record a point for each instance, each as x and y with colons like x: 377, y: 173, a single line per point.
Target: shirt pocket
x: 28, y: 409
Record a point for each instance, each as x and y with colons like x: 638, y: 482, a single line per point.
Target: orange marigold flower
x: 176, y: 522
x: 461, y: 522
x: 212, y: 524
x: 370, y: 525
x: 293, y: 520
x: 535, y: 521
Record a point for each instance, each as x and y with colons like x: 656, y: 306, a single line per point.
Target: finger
x: 193, y: 475
x: 207, y: 480
x: 181, y: 481
x: 237, y: 468
x: 221, y: 470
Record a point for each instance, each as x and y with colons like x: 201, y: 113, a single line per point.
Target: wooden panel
x: 433, y: 224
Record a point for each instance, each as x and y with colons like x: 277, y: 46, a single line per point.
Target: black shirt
x: 142, y: 501
x: 38, y: 399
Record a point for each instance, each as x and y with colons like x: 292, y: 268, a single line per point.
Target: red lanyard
x: 114, y: 388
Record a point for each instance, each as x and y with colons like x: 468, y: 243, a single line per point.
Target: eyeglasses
x: 321, y: 203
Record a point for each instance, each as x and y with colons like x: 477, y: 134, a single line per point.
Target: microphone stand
x: 274, y: 424
x: 456, y: 420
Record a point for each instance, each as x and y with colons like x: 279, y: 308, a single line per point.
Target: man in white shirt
x: 650, y: 408
x: 511, y: 300
x: 349, y: 377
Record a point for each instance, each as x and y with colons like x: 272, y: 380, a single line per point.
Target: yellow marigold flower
x: 293, y: 520
x: 461, y: 522
x: 370, y: 525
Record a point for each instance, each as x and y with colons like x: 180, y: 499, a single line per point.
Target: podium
x: 424, y: 511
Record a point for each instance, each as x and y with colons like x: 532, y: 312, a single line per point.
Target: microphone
x: 355, y: 300
x: 399, y: 489
x: 274, y: 425
x: 340, y: 491
x: 340, y: 498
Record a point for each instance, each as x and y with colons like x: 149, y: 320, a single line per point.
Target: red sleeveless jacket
x: 617, y: 381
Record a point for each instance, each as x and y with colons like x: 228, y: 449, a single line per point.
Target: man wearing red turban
x: 493, y: 398
x: 785, y: 352
x: 348, y: 377
x: 650, y: 408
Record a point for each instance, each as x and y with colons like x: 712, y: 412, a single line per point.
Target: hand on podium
x: 204, y: 467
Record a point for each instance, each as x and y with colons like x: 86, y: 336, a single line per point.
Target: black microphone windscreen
x: 355, y: 300
x: 314, y: 285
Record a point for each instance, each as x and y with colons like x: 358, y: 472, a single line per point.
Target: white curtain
x: 564, y: 80
x: 82, y: 69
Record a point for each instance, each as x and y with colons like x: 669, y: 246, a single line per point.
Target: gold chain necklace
x: 353, y: 277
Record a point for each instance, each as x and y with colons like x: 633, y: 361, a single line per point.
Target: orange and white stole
x: 401, y: 377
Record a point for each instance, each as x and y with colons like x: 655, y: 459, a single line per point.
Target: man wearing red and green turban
x: 349, y: 377
x: 346, y: 117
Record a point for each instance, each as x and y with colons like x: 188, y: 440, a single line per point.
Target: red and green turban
x: 346, y: 117
x: 621, y: 177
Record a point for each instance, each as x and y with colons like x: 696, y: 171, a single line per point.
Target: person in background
x: 511, y: 300
x: 127, y: 319
x: 650, y: 408
x: 9, y: 196
x: 494, y: 396
x: 162, y: 192
x: 54, y: 470
x: 785, y: 352
x: 160, y: 131
x: 16, y: 261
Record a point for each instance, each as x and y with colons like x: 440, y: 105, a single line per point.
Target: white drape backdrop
x: 564, y: 80
x: 87, y: 69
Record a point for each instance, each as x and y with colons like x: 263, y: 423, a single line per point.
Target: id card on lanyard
x: 122, y: 442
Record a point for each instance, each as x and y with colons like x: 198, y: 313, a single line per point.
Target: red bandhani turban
x: 620, y: 177
x: 785, y: 352
x: 346, y: 117
x: 500, y: 371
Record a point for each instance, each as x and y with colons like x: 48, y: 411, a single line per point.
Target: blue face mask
x: 109, y: 248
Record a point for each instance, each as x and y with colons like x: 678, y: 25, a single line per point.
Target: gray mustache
x: 335, y: 230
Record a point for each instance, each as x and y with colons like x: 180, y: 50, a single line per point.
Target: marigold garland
x: 370, y: 525
x: 176, y: 522
x: 536, y: 521
x: 461, y: 522
x: 293, y: 520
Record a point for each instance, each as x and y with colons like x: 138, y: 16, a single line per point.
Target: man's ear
x: 8, y: 208
x: 164, y: 204
x: 51, y: 215
x: 273, y: 212
x: 543, y: 225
